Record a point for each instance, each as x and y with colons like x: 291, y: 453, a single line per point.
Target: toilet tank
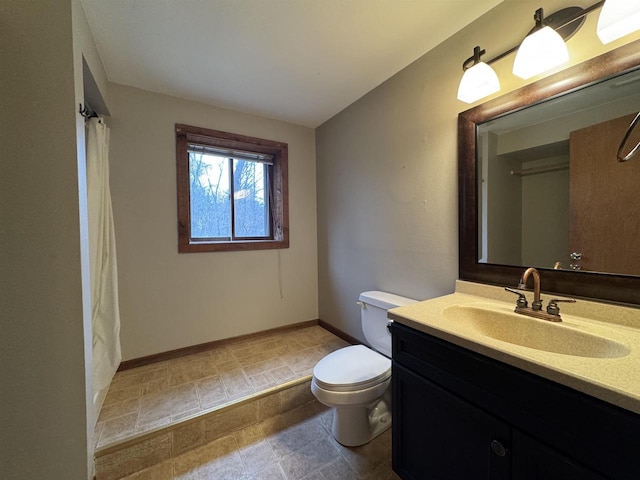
x: 373, y: 314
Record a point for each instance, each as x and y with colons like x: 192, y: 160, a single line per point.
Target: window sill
x: 199, y: 247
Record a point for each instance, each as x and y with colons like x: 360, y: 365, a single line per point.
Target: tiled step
x: 164, y: 443
x: 156, y: 395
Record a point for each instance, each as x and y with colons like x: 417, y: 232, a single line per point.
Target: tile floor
x: 297, y: 445
x: 163, y: 393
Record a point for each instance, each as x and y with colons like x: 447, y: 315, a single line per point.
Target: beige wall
x: 387, y: 174
x: 545, y: 214
x: 504, y: 208
x: 170, y: 300
x: 44, y: 413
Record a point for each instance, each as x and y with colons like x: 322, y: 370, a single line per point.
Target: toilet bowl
x: 356, y: 380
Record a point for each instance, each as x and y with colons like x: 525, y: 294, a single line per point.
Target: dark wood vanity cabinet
x: 437, y: 435
x: 461, y: 415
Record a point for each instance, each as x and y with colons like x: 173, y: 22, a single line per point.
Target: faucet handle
x: 522, y: 300
x: 553, y: 309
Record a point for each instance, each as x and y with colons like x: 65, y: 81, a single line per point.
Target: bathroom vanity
x: 480, y: 392
x: 468, y: 405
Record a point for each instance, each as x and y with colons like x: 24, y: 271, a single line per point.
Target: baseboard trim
x: 339, y: 333
x: 203, y: 347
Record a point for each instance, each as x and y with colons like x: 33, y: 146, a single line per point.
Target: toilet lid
x: 352, y: 368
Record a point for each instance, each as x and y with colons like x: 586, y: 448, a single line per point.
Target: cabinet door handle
x: 498, y: 448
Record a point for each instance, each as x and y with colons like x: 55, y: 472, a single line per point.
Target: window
x: 232, y: 191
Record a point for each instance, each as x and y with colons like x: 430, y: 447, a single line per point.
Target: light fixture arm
x: 544, y: 48
x: 473, y: 60
x: 585, y: 11
x: 539, y: 19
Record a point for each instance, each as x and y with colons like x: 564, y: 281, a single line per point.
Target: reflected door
x: 604, y: 201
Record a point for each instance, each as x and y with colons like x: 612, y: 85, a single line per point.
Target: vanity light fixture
x: 541, y: 51
x: 617, y: 19
x: 479, y: 80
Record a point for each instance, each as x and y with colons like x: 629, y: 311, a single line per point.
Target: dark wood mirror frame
x: 602, y: 286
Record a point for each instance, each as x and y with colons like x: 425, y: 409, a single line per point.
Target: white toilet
x: 356, y: 380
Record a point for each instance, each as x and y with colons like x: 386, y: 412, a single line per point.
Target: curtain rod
x: 535, y: 170
x: 86, y: 111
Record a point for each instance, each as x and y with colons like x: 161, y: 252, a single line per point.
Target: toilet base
x: 357, y: 425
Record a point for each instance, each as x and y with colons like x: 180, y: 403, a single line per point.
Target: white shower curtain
x: 104, y: 272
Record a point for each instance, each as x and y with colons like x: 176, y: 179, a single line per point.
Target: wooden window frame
x: 278, y: 187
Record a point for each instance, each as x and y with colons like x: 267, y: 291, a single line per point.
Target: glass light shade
x: 539, y: 52
x: 617, y: 19
x: 478, y: 82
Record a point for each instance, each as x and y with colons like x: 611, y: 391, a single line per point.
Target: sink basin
x: 533, y: 333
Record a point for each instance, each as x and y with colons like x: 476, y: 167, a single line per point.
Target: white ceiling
x: 301, y: 61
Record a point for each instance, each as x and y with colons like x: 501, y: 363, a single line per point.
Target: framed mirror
x: 526, y: 173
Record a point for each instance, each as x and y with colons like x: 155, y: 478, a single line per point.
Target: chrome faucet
x: 522, y: 307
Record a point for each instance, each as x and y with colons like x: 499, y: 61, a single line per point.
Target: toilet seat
x: 351, y: 369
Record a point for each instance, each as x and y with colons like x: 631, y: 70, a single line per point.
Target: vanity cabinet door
x: 533, y: 460
x: 438, y: 436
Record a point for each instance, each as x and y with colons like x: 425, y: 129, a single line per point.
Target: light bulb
x: 539, y: 52
x: 617, y: 19
x: 478, y: 82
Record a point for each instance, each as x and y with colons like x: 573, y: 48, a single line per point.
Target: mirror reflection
x: 551, y: 191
